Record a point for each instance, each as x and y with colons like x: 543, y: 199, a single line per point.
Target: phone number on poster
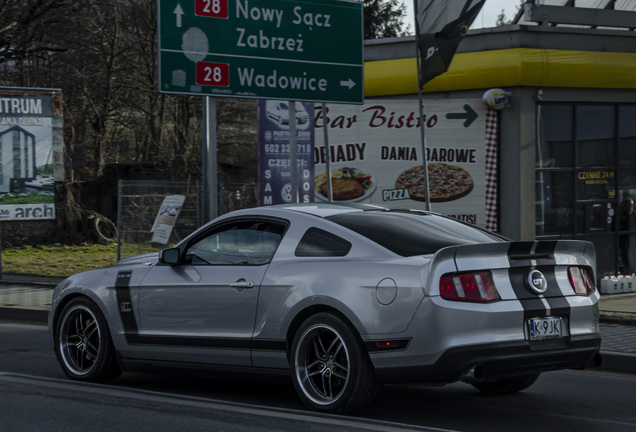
x: 284, y: 148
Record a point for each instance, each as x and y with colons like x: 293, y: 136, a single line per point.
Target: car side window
x: 319, y: 243
x: 238, y: 243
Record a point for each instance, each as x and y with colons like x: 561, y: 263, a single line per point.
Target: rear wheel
x: 83, y: 344
x: 507, y: 385
x: 332, y: 370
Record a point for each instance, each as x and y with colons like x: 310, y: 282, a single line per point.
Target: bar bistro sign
x: 378, y: 145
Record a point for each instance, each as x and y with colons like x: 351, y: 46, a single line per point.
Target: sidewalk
x: 29, y: 298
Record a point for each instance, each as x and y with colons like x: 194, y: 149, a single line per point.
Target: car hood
x: 144, y: 259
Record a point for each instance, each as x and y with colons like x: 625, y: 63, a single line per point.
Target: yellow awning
x: 507, y: 68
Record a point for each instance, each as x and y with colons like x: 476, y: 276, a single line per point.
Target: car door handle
x: 242, y: 283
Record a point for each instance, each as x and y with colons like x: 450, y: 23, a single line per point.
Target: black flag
x: 440, y: 27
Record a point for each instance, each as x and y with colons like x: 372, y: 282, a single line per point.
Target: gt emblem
x: 537, y: 282
x: 125, y: 307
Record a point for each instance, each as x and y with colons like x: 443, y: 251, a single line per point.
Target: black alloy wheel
x: 331, y: 368
x: 83, y: 344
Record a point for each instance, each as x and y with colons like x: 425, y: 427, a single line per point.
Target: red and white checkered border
x: 491, y: 169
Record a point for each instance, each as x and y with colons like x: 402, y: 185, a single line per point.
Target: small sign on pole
x: 166, y: 219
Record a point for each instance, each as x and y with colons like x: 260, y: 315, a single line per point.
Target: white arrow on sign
x: 178, y: 12
x: 348, y: 83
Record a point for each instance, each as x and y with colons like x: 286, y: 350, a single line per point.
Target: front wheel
x: 507, y: 385
x: 332, y: 370
x: 83, y: 344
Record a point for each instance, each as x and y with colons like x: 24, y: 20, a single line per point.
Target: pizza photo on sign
x: 446, y: 182
x: 347, y: 184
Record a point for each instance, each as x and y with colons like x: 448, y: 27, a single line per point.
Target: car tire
x: 331, y: 368
x: 83, y: 344
x: 507, y: 385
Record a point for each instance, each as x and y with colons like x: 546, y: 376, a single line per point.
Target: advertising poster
x: 376, y: 156
x: 273, y: 152
x: 26, y: 157
x: 166, y: 219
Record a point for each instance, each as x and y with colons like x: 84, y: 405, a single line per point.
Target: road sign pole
x: 210, y: 184
x: 327, y: 152
x: 293, y: 151
x: 421, y: 114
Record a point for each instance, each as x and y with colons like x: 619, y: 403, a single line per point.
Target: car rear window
x: 409, y: 234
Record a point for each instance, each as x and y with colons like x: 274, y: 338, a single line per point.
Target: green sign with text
x: 269, y: 49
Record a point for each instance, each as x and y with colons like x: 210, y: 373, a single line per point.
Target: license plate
x: 544, y: 328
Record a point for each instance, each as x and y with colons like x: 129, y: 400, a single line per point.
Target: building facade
x: 567, y: 139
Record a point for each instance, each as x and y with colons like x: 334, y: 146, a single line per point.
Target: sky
x: 486, y: 18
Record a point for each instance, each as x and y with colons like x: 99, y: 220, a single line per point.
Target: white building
x: 17, y: 159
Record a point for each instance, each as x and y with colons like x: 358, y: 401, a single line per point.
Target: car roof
x: 331, y: 209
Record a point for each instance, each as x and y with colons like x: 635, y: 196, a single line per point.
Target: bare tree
x: 103, y: 55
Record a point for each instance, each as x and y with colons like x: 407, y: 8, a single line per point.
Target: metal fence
x: 140, y: 200
x: 236, y: 196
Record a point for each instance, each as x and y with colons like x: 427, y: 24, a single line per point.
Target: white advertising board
x: 26, y: 156
x: 378, y: 144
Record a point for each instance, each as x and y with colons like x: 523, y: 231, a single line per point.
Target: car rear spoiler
x: 490, y: 256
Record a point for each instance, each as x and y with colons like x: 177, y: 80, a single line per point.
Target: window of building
x: 586, y: 179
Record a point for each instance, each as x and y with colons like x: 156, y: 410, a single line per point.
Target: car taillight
x: 472, y: 287
x: 581, y: 279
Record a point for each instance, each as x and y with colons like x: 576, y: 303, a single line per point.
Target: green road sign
x: 270, y: 49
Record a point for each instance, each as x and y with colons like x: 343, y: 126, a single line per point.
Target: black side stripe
x: 131, y: 330
x: 124, y: 300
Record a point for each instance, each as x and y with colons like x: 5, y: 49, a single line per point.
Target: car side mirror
x: 169, y: 256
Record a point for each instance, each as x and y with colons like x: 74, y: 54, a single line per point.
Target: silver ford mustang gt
x: 342, y: 299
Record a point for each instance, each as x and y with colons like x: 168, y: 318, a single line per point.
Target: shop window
x: 591, y: 196
x: 554, y: 213
x: 626, y: 199
x: 595, y: 135
x: 555, y: 148
x: 596, y: 184
x: 595, y: 217
x: 627, y: 135
x: 586, y: 167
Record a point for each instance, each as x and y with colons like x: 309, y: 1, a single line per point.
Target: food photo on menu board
x: 446, y: 182
x: 347, y: 184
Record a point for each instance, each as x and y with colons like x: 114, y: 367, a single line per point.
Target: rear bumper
x: 500, y: 360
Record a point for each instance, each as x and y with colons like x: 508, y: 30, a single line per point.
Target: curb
x: 620, y: 320
x: 44, y: 283
x: 24, y: 314
x: 618, y: 362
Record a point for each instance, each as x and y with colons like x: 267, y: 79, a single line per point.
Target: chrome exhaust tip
x: 475, y: 374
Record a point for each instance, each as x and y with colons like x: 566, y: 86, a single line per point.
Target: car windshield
x: 409, y: 233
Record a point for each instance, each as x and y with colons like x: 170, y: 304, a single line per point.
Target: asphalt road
x: 36, y: 395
